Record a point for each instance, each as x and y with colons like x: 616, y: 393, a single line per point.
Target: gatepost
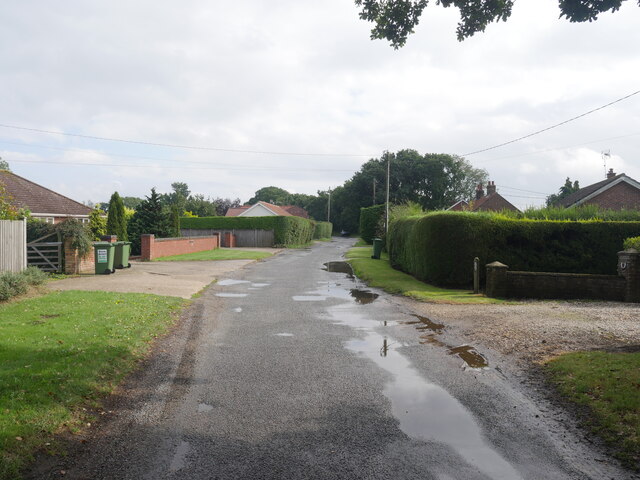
x: 496, y: 280
x: 629, y: 268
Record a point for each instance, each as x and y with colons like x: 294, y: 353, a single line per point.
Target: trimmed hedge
x: 287, y: 230
x: 322, y: 230
x: 439, y: 248
x: 369, y: 219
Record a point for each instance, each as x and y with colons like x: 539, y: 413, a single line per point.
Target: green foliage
x: 322, y: 230
x: 633, y: 242
x: 151, y: 217
x: 440, y: 247
x: 583, y: 212
x: 116, y: 221
x: 567, y: 189
x: 12, y: 284
x: 395, y: 20
x: 64, y: 351
x: 34, y: 276
x: 8, y: 211
x: 4, y: 165
x: 217, y: 254
x: 369, y: 220
x: 274, y: 195
x: 79, y: 234
x: 287, y: 230
x: 97, y: 224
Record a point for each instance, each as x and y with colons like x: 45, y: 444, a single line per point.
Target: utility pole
x: 374, y: 191
x: 329, y: 207
x: 386, y: 221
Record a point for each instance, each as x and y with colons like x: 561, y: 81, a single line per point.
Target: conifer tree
x: 116, y: 221
x: 151, y: 217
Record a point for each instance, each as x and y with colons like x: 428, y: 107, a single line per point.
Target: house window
x: 85, y: 220
x: 49, y: 220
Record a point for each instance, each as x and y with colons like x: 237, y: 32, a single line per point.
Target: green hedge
x: 440, y: 247
x: 369, y: 219
x: 287, y: 230
x: 322, y: 230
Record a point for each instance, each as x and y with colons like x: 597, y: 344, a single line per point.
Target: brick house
x: 617, y: 192
x: 44, y: 204
x: 491, y: 202
x: 264, y: 209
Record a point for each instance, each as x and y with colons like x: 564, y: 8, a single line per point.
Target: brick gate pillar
x: 496, y: 280
x: 629, y: 268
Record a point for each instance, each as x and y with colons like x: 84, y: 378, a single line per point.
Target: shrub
x: 287, y: 230
x: 12, y: 284
x: 440, y: 247
x: 369, y: 219
x: 34, y: 276
x: 322, y: 230
x: 633, y: 242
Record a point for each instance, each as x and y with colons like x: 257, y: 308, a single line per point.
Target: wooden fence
x: 244, y: 238
x: 13, y: 245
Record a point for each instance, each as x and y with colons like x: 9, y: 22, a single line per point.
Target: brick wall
x: 74, y: 264
x: 565, y: 286
x: 618, y: 197
x: 161, y: 247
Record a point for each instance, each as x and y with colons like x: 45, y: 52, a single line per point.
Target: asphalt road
x: 289, y: 371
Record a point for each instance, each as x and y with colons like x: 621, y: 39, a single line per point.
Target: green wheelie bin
x: 121, y: 257
x: 104, y: 257
x: 377, y: 248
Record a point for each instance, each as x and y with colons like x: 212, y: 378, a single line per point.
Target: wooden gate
x: 46, y: 255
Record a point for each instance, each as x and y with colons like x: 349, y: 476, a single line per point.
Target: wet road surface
x: 294, y: 369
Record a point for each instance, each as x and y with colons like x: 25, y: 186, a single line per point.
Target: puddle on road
x: 203, y: 408
x: 339, y: 267
x: 237, y: 310
x: 283, y: 334
x: 231, y: 295
x: 363, y: 297
x: 425, y: 410
x: 228, y: 281
x: 179, y: 459
x: 470, y: 355
x: 260, y: 285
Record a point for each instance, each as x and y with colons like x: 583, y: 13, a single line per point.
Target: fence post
x: 476, y: 275
x: 496, y: 280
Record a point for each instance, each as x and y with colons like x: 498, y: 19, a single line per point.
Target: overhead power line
x: 552, y: 126
x: 187, y: 147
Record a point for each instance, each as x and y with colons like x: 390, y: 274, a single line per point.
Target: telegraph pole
x: 374, y: 192
x: 386, y: 221
x: 329, y: 207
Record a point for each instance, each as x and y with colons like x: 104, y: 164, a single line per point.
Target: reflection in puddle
x: 283, y: 334
x: 309, y: 298
x: 339, y: 267
x: 203, y: 408
x: 426, y: 411
x: 227, y: 281
x: 363, y: 297
x: 237, y: 309
x: 231, y: 295
x: 260, y: 285
x: 178, y: 461
x: 470, y: 355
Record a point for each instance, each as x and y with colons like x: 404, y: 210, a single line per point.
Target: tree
x: 116, y: 221
x: 395, y: 20
x: 150, y: 217
x: 565, y: 190
x: 275, y: 195
x: 4, y: 165
x: 97, y: 223
x: 8, y: 211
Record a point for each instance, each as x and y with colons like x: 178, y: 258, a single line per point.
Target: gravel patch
x: 534, y: 331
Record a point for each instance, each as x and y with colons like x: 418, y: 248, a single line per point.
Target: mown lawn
x: 217, y: 254
x: 378, y: 273
x: 65, y: 350
x: 608, y: 385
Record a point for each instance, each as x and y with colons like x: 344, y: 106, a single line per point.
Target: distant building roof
x: 296, y: 211
x: 492, y: 201
x: 235, y: 211
x: 459, y: 206
x: 589, y: 192
x: 40, y: 200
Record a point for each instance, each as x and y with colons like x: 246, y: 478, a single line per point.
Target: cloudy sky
x: 301, y: 83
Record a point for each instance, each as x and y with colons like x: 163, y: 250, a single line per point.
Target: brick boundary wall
x: 152, y: 247
x: 74, y: 264
x: 547, y: 285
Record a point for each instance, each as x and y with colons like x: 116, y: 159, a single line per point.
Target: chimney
x: 611, y: 173
x: 491, y: 187
x: 479, y: 192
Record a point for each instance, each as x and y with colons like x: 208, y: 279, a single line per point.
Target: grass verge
x: 378, y: 273
x: 608, y: 385
x: 62, y: 351
x: 217, y: 254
